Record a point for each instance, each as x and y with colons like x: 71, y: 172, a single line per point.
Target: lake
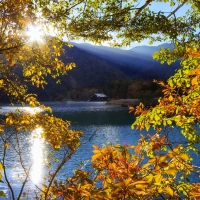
x: 110, y: 123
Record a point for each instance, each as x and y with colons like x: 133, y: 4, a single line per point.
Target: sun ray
x: 35, y: 33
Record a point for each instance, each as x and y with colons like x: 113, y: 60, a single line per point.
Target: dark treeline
x: 94, y: 74
x: 116, y: 89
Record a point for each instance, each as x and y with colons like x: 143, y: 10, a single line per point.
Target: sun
x: 35, y: 33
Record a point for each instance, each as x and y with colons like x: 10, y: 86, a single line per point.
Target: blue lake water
x: 111, y: 124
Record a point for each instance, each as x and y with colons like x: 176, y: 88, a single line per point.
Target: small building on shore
x: 98, y: 97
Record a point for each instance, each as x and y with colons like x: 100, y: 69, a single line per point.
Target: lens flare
x: 35, y: 33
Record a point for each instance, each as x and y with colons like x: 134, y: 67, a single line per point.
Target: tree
x: 160, y: 167
x: 156, y: 166
x: 35, y: 58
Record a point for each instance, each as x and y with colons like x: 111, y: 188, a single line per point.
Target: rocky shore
x: 133, y: 102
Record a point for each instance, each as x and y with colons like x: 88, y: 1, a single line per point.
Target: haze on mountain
x: 137, y: 62
x: 98, y: 66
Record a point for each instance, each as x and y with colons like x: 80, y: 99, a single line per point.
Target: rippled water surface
x: 111, y: 124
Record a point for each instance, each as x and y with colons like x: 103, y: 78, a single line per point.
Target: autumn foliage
x: 158, y: 166
x: 161, y: 165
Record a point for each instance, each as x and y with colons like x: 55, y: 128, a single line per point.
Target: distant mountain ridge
x: 90, y: 72
x: 136, y: 62
x: 150, y: 49
x: 98, y: 68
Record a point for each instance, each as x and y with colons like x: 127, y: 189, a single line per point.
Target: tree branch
x: 138, y: 12
x: 9, y: 48
x: 4, y: 170
x: 24, y: 183
x: 174, y: 11
x: 65, y: 159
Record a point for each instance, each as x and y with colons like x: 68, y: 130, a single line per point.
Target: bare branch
x: 4, y: 171
x: 174, y: 11
x: 9, y: 48
x: 24, y: 183
x: 65, y: 159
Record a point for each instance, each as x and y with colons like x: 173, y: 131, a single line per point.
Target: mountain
x: 136, y: 62
x: 116, y: 72
x: 149, y: 50
x: 90, y: 72
x: 106, y: 69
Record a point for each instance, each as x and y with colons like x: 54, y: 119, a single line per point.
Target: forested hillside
x: 137, y: 62
x: 98, y: 70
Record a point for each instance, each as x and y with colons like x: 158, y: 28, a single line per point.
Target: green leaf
x: 108, y: 180
x: 2, y: 194
x: 24, y: 194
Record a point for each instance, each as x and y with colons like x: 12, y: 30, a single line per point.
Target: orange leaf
x: 197, y: 71
x: 131, y: 109
x: 95, y: 147
x: 194, y: 80
x: 137, y: 149
x: 94, y: 157
x: 171, y: 98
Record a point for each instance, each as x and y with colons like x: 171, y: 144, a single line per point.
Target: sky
x: 156, y: 7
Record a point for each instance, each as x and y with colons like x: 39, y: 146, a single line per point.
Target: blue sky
x: 164, y: 7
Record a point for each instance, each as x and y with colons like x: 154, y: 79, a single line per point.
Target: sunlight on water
x: 37, y: 155
x: 32, y: 110
x: 5, y: 109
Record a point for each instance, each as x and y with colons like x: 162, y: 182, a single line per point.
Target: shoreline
x: 133, y: 102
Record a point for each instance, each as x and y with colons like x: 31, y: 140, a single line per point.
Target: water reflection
x: 37, y: 150
x: 31, y: 110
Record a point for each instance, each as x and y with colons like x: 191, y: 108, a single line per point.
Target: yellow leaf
x: 9, y: 121
x: 139, y: 183
x: 162, y: 157
x: 12, y: 62
x: 146, y: 165
x: 39, y: 73
x: 6, y: 145
x: 127, y: 182
x: 183, y: 156
x: 158, y: 178
x: 157, y: 117
x: 108, y: 180
x: 171, y: 171
x: 169, y: 191
x: 177, y: 147
x: 1, y: 167
x: 1, y: 128
x: 169, y: 122
x: 57, y: 146
x: 119, y: 184
x: 49, y: 70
